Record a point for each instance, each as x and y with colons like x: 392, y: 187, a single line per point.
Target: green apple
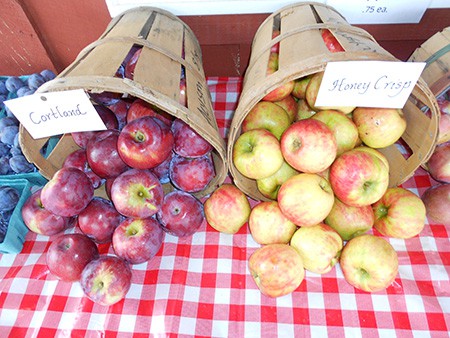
x: 304, y: 111
x: 269, y: 186
x: 269, y: 116
x: 300, y: 85
x: 290, y: 105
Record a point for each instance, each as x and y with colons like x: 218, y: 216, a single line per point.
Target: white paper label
x: 55, y: 113
x: 380, y: 11
x: 383, y: 84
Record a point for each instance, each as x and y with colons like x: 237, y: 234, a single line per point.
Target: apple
x: 78, y: 159
x: 137, y: 240
x: 300, y: 86
x: 191, y: 174
x: 40, y: 220
x: 313, y: 89
x: 277, y: 269
x: 145, y: 143
x: 68, y: 254
x: 99, y: 220
x: 369, y: 263
x: 137, y: 193
x: 290, y: 106
x: 343, y: 128
x: 276, y: 47
x: 436, y: 200
x: 280, y: 92
x: 399, y: 213
x: 304, y: 111
x: 162, y: 170
x: 130, y: 64
x: 269, y: 186
x: 350, y: 221
x: 183, y: 95
x: 331, y: 42
x: 187, y: 142
x: 267, y: 115
x: 106, y: 280
x: 68, y: 192
x: 379, y: 127
x: 105, y: 98
x: 181, y: 214
x: 268, y: 225
x: 444, y: 121
x: 319, y: 247
x: 257, y: 154
x: 103, y: 156
x: 359, y: 178
x: 140, y: 108
x: 120, y: 109
x: 375, y: 152
x: 109, y: 119
x: 306, y: 199
x: 227, y: 209
x: 438, y: 165
x: 309, y: 146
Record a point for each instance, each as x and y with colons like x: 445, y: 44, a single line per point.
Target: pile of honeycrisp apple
x: 142, y: 150
x: 327, y: 185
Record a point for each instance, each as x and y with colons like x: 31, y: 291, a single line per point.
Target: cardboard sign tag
x: 380, y: 11
x: 381, y: 84
x: 49, y: 114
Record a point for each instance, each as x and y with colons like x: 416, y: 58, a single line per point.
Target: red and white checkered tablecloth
x: 201, y: 287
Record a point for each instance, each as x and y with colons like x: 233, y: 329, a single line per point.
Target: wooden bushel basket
x: 302, y: 52
x: 168, y: 47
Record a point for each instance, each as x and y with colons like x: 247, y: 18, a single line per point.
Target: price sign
x: 49, y: 114
x: 380, y: 11
x: 382, y: 84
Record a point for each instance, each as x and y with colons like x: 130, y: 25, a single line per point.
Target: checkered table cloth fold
x: 200, y: 286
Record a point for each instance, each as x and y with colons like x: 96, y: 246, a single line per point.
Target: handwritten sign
x: 385, y: 84
x: 380, y: 11
x: 49, y: 114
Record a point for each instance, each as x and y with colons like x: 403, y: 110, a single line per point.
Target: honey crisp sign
x: 381, y: 84
x: 49, y: 114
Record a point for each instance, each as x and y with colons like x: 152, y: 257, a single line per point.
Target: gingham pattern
x: 200, y: 286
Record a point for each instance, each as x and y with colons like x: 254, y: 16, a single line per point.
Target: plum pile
x: 12, y: 161
x: 9, y: 197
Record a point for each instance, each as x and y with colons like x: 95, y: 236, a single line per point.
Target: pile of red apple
x: 327, y: 184
x: 150, y: 164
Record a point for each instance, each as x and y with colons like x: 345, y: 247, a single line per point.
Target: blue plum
x: 19, y: 164
x: 35, y: 80
x: 8, y: 133
x: 13, y: 83
x: 5, y: 168
x: 9, y: 196
x: 48, y: 74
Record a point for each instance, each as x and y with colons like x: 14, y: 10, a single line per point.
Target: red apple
x: 108, y: 118
x: 268, y: 225
x: 280, y: 92
x: 359, y: 178
x: 40, y: 220
x: 187, y: 142
x: 227, y: 209
x: 181, y: 214
x: 276, y: 47
x: 191, y: 174
x: 369, y: 263
x: 99, y: 220
x: 68, y: 254
x: 103, y: 156
x: 105, y: 98
x: 145, y: 143
x: 68, y: 192
x: 120, y: 109
x: 78, y: 159
x: 319, y: 247
x: 437, y: 200
x: 438, y: 164
x: 137, y: 193
x: 183, y: 96
x: 257, y: 154
x: 331, y: 42
x: 343, y: 128
x: 140, y: 108
x: 300, y: 86
x: 162, y: 170
x: 379, y: 127
x: 290, y: 106
x: 309, y: 146
x: 306, y: 199
x: 444, y: 121
x: 106, y: 280
x: 277, y: 269
x: 350, y: 221
x: 137, y: 240
x: 130, y: 64
x: 399, y: 213
x: 269, y: 116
